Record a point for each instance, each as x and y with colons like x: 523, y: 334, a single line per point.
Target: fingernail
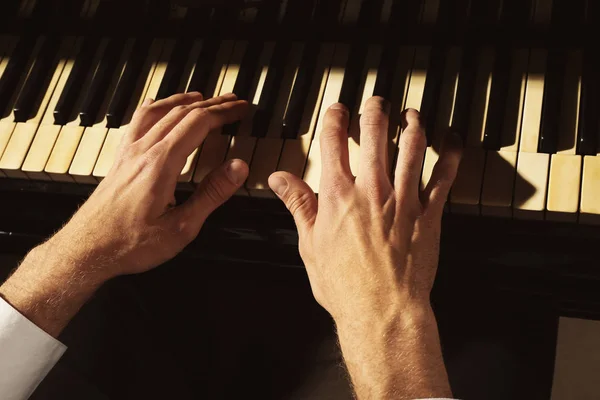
x: 147, y: 102
x: 278, y: 185
x: 237, y: 171
x: 339, y: 107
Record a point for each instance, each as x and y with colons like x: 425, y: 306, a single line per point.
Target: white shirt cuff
x: 27, y: 354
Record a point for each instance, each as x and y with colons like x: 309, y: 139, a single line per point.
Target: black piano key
x: 37, y: 82
x: 432, y: 89
x: 352, y: 76
x: 295, y: 109
x: 553, y: 93
x: 248, y: 68
x: 588, y: 127
x: 492, y: 136
x: 270, y: 91
x: 385, y: 72
x: 464, y: 93
x: 14, y: 71
x: 81, y: 67
x: 202, y: 69
x: 326, y: 15
x: 127, y: 83
x: 367, y: 18
x: 173, y: 75
x: 101, y: 82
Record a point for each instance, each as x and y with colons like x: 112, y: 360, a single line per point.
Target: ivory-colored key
x: 365, y: 91
x: 590, y: 191
x: 93, y: 137
x: 24, y: 132
x: 268, y: 149
x: 565, y: 166
x: 152, y: 74
x: 444, y: 110
x: 215, y: 146
x: 466, y: 191
x: 294, y: 154
x: 7, y: 121
x: 312, y: 172
x: 499, y: 177
x: 398, y: 97
x: 243, y: 143
x: 188, y: 169
x: 532, y: 167
x: 70, y: 134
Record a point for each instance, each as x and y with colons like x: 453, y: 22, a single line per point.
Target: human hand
x: 370, y: 245
x: 130, y: 223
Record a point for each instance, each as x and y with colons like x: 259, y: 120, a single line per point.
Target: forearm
x: 50, y: 287
x: 395, y: 357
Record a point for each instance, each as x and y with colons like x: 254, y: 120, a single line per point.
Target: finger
x: 152, y: 111
x: 298, y: 197
x: 374, y: 123
x: 192, y: 130
x: 163, y: 127
x: 444, y: 172
x: 335, y: 161
x: 411, y: 151
x: 216, y: 188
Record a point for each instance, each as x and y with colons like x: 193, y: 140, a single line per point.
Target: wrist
x: 49, y: 287
x: 395, y: 355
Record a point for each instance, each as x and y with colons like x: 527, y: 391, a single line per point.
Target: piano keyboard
x: 528, y: 115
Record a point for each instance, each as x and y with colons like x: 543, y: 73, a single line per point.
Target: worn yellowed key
x: 465, y: 194
x: 24, y: 132
x: 399, y: 97
x: 93, y: 137
x: 565, y: 166
x: 215, y: 146
x: 65, y: 145
x: 295, y: 152
x: 268, y: 148
x: 365, y: 91
x: 499, y: 177
x: 444, y: 110
x: 147, y: 87
x: 312, y: 172
x: 243, y: 143
x: 7, y: 119
x: 532, y: 167
x: 590, y: 191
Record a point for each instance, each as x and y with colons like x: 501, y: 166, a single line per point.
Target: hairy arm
x: 49, y: 288
x: 130, y: 224
x: 371, y: 246
x: 395, y: 357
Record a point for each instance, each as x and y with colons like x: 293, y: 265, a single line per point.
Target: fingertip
x: 147, y: 102
x: 378, y: 103
x: 278, y: 183
x: 339, y: 107
x: 237, y: 171
x: 410, y: 116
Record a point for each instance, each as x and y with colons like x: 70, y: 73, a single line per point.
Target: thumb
x: 297, y: 196
x: 214, y: 190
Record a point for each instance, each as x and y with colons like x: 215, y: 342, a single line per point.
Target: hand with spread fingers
x: 371, y: 246
x: 130, y: 223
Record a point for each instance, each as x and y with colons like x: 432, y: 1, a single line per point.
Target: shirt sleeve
x: 27, y: 354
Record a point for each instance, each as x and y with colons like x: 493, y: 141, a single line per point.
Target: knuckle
x: 214, y: 189
x: 373, y: 118
x: 199, y: 112
x: 297, y: 202
x: 187, y: 231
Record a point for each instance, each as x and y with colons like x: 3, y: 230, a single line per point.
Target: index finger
x: 195, y: 126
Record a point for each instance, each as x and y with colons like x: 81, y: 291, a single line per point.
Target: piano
x: 518, y: 79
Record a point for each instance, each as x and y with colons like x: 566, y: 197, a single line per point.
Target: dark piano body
x: 555, y: 260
